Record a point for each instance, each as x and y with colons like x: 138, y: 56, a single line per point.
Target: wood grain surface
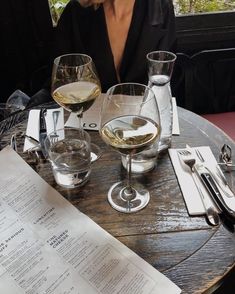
x: 186, y: 249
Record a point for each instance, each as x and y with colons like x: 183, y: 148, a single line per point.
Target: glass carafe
x: 160, y: 67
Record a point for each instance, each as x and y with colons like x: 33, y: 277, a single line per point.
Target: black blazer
x: 83, y: 30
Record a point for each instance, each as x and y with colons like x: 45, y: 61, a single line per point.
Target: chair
x: 179, y: 80
x: 225, y: 121
x: 212, y: 88
x: 206, y: 85
x: 214, y: 72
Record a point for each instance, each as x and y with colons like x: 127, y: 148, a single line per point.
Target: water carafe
x: 160, y: 67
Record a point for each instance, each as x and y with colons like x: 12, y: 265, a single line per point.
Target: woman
x: 117, y: 34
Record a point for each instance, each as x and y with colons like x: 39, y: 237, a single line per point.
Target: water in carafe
x: 160, y: 84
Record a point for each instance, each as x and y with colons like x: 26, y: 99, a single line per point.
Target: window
x: 56, y: 8
x: 202, y: 6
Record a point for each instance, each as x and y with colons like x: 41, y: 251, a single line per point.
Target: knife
x: 215, y: 193
x: 218, y: 177
x: 42, y: 130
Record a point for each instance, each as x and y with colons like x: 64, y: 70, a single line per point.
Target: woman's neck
x: 119, y: 9
x: 118, y: 15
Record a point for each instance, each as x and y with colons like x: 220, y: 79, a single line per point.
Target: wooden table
x: 186, y: 249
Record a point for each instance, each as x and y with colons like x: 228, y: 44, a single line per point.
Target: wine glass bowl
x: 75, y: 86
x: 130, y: 123
x: 75, y: 83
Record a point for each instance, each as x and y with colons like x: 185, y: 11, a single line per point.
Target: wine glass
x: 75, y: 86
x: 130, y: 123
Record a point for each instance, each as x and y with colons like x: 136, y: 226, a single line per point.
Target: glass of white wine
x: 130, y: 123
x: 75, y: 86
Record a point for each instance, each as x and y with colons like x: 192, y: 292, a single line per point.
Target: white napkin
x: 175, y: 124
x: 91, y: 117
x: 189, y: 190
x: 32, y: 129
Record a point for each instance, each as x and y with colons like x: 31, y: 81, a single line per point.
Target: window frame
x: 202, y: 31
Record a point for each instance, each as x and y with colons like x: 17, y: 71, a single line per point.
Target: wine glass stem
x: 129, y: 189
x: 79, y: 116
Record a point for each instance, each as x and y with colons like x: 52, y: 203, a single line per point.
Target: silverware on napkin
x: 225, y: 201
x: 187, y: 159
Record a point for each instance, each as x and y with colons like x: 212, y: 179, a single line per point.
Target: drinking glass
x: 69, y: 154
x: 129, y: 123
x: 160, y: 67
x: 75, y: 86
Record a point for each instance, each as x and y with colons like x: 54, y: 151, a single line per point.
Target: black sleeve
x: 62, y: 33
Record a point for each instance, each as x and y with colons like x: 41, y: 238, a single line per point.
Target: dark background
x: 25, y: 38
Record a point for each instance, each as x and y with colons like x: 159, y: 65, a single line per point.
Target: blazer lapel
x: 150, y: 36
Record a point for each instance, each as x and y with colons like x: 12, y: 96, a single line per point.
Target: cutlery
x: 55, y: 116
x: 225, y: 204
x: 42, y: 130
x: 218, y: 175
x: 32, y: 139
x: 211, y: 214
x: 226, y: 158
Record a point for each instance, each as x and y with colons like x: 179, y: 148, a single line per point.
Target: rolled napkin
x: 33, y: 126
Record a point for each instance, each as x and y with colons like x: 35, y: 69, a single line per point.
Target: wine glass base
x: 116, y: 198
x: 95, y: 152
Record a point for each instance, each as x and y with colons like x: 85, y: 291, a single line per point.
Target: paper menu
x: 91, y: 117
x: 48, y: 246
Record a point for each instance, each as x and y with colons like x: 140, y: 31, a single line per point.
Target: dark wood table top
x: 186, y: 249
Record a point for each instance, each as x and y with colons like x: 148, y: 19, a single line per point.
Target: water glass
x: 144, y: 161
x: 160, y: 68
x: 70, y: 156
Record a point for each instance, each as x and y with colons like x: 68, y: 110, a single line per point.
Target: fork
x: 54, y: 136
x: 211, y: 214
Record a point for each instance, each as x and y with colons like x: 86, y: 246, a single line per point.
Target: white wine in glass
x: 75, y: 86
x: 77, y: 96
x: 130, y: 123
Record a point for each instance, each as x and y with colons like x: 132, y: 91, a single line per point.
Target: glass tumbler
x: 70, y: 155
